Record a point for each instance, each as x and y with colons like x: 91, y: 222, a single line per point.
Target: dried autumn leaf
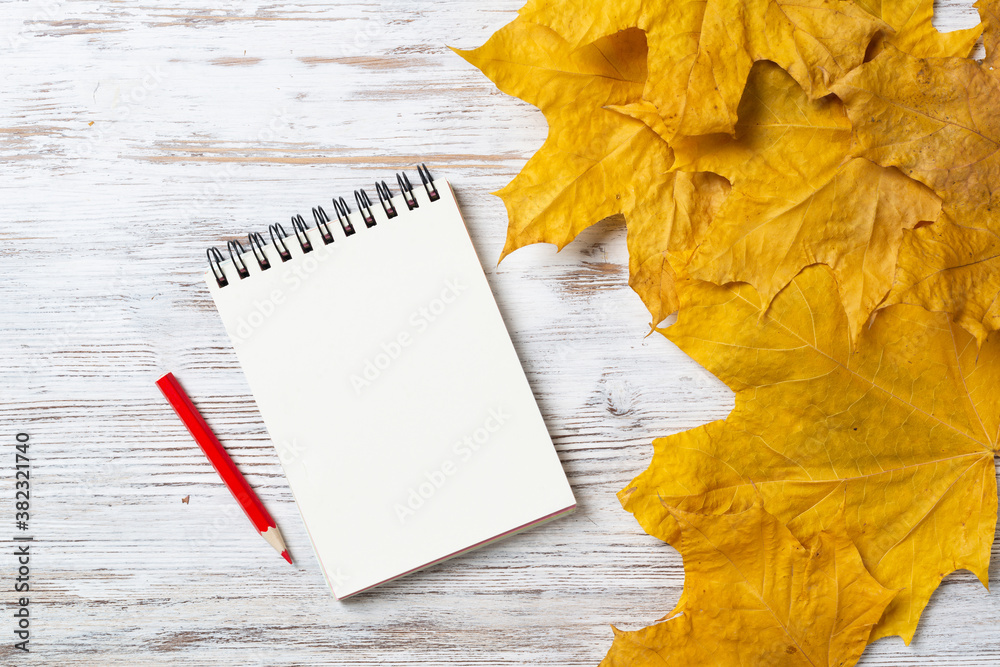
x: 595, y: 163
x: 700, y: 53
x: 914, y: 31
x: 953, y: 269
x: 658, y: 243
x: 989, y: 13
x: 754, y: 595
x: 583, y: 172
x: 937, y: 121
x: 799, y: 198
x: 902, y: 429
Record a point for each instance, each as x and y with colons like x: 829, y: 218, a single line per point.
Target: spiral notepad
x: 388, y: 383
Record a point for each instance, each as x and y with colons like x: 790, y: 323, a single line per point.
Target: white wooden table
x: 134, y: 136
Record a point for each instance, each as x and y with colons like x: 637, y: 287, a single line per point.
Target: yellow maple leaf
x: 583, y: 172
x: 953, y: 269
x: 700, y: 53
x: 902, y: 429
x: 989, y: 13
x: 659, y: 243
x: 798, y: 197
x: 747, y: 176
x: 755, y: 595
x: 596, y: 163
x: 914, y: 31
x: 937, y: 120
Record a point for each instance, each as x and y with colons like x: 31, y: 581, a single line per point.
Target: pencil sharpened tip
x: 284, y: 554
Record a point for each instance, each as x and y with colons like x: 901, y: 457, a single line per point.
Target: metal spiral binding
x: 365, y: 206
x: 340, y: 208
x: 428, y: 180
x: 385, y: 198
x: 214, y: 260
x: 278, y: 236
x: 321, y: 218
x: 406, y: 190
x: 299, y: 225
x: 257, y: 245
x: 235, y: 254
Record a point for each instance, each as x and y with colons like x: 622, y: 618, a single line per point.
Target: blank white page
x: 390, y: 388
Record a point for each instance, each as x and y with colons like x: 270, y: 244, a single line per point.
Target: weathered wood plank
x: 136, y: 135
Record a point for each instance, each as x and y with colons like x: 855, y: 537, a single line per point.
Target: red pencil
x: 223, y: 465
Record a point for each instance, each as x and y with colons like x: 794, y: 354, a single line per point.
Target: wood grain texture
x: 135, y: 135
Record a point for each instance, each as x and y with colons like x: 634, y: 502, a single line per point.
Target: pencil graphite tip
x: 284, y: 554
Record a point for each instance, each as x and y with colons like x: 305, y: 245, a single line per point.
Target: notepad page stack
x: 390, y: 388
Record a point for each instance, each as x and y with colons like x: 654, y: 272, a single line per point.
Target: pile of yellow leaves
x: 815, y: 187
